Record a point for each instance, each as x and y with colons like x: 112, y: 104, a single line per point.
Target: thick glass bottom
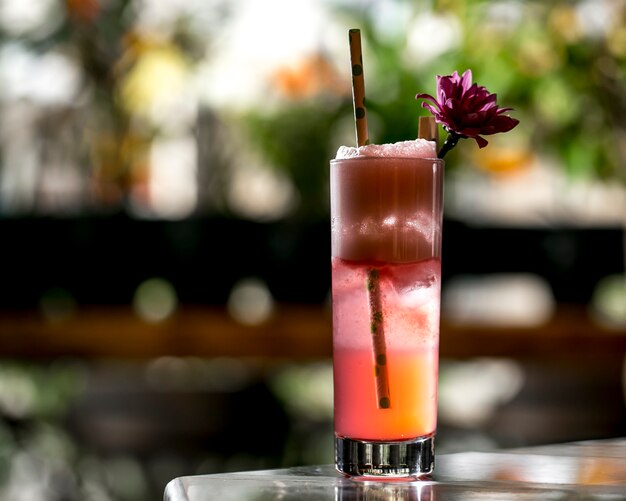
x: 401, y: 459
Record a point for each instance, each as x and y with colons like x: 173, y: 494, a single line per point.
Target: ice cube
x: 420, y: 294
x: 417, y: 283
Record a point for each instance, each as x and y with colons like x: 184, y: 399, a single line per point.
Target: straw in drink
x: 386, y: 226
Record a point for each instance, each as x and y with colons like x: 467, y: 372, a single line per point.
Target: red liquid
x: 410, y: 302
x: 386, y: 209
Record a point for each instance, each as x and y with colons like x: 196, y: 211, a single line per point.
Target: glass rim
x: 395, y: 158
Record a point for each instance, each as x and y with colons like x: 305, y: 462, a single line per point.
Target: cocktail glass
x: 386, y: 218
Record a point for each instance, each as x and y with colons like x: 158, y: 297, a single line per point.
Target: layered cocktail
x: 386, y: 210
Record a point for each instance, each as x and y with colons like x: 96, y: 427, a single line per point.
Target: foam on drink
x: 417, y: 148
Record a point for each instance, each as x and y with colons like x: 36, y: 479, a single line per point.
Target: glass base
x: 399, y: 459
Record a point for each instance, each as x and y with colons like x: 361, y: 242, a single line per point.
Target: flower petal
x: 503, y: 123
x: 484, y: 101
x: 466, y: 80
x: 434, y: 107
x: 481, y: 141
x: 446, y: 87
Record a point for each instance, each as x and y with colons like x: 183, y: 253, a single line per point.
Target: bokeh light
x: 250, y: 302
x: 608, y: 304
x: 155, y: 300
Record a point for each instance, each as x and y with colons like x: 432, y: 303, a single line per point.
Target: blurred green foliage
x: 560, y: 64
x: 297, y: 140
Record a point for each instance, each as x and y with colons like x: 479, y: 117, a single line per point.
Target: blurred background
x: 164, y: 229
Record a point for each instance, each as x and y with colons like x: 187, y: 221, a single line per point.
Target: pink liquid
x: 410, y: 302
x: 413, y: 383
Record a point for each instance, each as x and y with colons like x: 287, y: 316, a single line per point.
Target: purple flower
x: 467, y: 110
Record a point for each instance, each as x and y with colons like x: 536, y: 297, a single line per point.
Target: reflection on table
x: 581, y: 470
